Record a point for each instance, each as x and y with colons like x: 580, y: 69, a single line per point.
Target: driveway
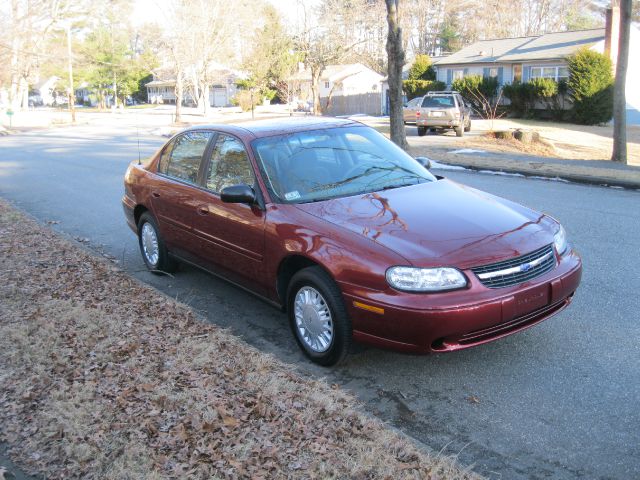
x: 559, y: 401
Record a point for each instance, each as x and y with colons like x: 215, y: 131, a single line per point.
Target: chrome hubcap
x: 313, y: 319
x: 150, y: 244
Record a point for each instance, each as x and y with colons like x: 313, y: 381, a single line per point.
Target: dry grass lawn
x: 576, y: 142
x: 103, y: 377
x: 559, y: 140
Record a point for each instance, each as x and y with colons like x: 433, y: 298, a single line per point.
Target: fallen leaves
x: 102, y: 377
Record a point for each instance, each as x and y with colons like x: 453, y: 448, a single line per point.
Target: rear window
x: 438, y: 102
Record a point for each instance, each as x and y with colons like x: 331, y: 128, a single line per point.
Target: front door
x: 231, y: 234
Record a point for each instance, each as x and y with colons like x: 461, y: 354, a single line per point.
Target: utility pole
x: 72, y: 95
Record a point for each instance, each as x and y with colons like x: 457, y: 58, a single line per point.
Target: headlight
x: 560, y: 241
x: 414, y: 279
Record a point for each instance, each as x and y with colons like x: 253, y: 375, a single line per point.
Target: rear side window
x: 438, y: 102
x: 186, y: 156
x: 164, y: 157
x: 229, y: 165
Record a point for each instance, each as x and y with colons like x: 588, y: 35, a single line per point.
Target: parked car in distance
x: 353, y: 238
x: 444, y: 110
x: 410, y: 109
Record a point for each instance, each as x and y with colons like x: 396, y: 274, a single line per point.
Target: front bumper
x: 427, y: 323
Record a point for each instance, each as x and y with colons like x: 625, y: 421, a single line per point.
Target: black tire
x: 163, y: 263
x: 317, y: 279
x: 459, y: 131
x: 467, y: 128
x: 422, y: 131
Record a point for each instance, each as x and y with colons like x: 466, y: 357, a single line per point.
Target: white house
x: 523, y: 58
x: 221, y: 90
x: 353, y: 88
x: 47, y: 90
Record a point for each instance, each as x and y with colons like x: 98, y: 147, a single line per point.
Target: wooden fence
x: 368, y: 103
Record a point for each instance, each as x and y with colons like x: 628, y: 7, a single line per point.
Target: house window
x: 555, y: 73
x: 458, y: 74
x: 326, y: 84
x: 493, y: 72
x: 563, y: 73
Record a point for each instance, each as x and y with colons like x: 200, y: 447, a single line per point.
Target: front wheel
x: 154, y: 252
x: 318, y: 317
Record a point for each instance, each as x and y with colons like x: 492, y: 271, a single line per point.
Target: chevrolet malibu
x: 354, y: 239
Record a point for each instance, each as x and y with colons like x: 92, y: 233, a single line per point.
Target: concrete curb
x: 623, y: 178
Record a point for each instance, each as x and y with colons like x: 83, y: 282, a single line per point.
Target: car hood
x: 440, y: 223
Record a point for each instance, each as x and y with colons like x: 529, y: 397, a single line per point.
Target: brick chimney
x: 612, y: 34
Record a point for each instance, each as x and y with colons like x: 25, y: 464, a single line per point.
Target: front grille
x: 517, y: 270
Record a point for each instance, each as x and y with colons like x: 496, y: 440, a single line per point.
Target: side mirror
x: 238, y: 194
x: 424, y: 161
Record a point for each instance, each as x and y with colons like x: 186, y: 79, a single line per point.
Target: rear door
x: 173, y: 195
x: 231, y: 235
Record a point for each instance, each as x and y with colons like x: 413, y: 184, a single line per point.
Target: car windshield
x: 438, y: 102
x: 337, y: 162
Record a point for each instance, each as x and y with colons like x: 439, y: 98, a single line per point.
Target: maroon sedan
x: 330, y: 221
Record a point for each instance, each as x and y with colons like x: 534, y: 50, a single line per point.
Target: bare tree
x: 395, y: 60
x: 26, y: 27
x: 198, y: 36
x: 619, y: 153
x: 325, y: 42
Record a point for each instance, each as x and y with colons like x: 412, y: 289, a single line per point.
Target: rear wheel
x: 422, y: 131
x: 318, y: 317
x: 154, y: 252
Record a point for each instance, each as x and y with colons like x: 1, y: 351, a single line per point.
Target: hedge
x: 418, y: 88
x: 591, y: 87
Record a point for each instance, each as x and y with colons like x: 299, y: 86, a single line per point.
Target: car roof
x: 278, y: 126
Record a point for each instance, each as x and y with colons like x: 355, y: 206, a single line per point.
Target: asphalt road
x: 559, y: 401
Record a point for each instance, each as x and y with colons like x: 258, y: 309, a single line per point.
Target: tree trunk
x: 178, y: 92
x: 206, y: 98
x: 396, y: 60
x: 619, y: 153
x: 316, y: 72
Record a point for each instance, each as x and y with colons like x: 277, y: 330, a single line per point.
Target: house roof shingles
x: 548, y: 46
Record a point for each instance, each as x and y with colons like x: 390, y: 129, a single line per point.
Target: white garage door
x: 219, y: 97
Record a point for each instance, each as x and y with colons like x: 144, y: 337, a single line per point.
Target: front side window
x: 186, y: 156
x: 229, y: 165
x: 336, y: 162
